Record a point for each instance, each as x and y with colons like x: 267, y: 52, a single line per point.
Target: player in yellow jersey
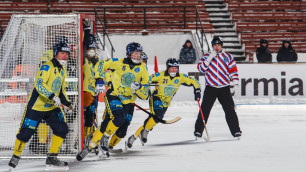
x: 38, y: 142
x: 89, y: 82
x: 168, y: 82
x: 126, y: 76
x: 45, y: 103
x: 121, y: 132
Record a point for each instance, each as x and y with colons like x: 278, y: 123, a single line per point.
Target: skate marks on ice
x: 197, y: 141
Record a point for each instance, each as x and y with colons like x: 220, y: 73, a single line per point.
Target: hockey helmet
x: 217, y: 40
x: 91, y: 41
x: 144, y: 56
x: 61, y: 47
x: 133, y: 46
x: 172, y: 62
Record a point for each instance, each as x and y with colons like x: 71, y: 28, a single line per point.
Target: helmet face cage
x: 172, y: 62
x: 131, y: 47
x: 61, y: 47
x: 217, y: 40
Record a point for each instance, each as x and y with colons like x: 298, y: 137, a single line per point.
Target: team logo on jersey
x: 137, y: 70
x: 169, y: 90
x: 45, y: 67
x: 127, y: 79
x: 123, y: 68
x: 226, y: 60
x: 56, y: 85
x: 176, y: 81
x: 62, y: 73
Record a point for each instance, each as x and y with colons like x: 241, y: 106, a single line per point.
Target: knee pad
x: 61, y: 130
x: 25, y: 134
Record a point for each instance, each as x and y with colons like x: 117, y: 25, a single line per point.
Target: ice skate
x: 13, y: 162
x: 130, y: 141
x: 54, y: 164
x: 81, y: 155
x: 143, y: 136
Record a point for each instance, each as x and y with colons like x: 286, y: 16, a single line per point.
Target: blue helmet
x: 144, y: 56
x: 133, y: 46
x: 172, y: 62
x: 91, y: 41
x: 60, y: 47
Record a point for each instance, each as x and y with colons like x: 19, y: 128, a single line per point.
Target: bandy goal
x: 28, y: 43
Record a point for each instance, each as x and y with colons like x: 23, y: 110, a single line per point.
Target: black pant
x: 225, y: 98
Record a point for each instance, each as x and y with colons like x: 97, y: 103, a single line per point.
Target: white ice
x: 273, y: 140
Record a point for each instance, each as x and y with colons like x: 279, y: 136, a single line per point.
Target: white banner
x: 269, y: 83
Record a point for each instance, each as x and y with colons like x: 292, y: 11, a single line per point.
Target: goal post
x: 28, y: 43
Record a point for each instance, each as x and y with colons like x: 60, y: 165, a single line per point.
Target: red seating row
x: 268, y: 16
x: 267, y: 6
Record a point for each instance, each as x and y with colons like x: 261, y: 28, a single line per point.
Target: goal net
x: 28, y: 43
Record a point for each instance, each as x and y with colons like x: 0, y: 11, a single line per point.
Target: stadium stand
x: 124, y: 16
x: 272, y: 20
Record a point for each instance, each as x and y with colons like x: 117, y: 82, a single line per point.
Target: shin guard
x: 56, y: 143
x: 114, y: 141
x: 19, y: 146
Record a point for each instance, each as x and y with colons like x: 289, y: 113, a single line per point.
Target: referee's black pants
x: 225, y: 98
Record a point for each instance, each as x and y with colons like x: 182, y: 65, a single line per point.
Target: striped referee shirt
x: 220, y: 71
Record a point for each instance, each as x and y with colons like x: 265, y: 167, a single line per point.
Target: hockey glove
x: 235, y: 90
x: 212, y: 55
x: 57, y: 101
x: 197, y: 94
x: 135, y: 86
x: 69, y: 110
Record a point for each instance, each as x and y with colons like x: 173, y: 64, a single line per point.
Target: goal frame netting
x: 15, y: 88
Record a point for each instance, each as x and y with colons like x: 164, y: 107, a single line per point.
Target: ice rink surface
x: 273, y: 140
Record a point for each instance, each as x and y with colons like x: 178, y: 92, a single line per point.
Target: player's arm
x: 41, y: 80
x: 189, y: 81
x: 63, y: 95
x: 144, y: 90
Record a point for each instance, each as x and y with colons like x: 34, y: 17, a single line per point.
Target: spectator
x: 187, y: 54
x: 286, y: 53
x: 263, y: 53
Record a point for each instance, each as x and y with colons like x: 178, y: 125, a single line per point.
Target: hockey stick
x: 208, y: 139
x: 158, y: 119
x: 153, y: 85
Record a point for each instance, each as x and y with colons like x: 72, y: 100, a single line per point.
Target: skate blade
x: 142, y: 143
x: 11, y: 169
x: 56, y: 168
x: 104, y: 153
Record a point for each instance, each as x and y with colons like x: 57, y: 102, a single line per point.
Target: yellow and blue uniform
x: 119, y: 97
x: 49, y: 82
x: 161, y: 96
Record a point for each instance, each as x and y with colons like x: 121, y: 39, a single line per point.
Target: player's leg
x: 28, y: 126
x: 57, y: 122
